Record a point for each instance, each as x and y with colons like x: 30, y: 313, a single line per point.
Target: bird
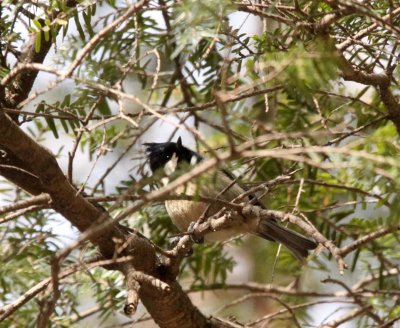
x: 170, y: 157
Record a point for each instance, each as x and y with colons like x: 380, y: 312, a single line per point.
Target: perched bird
x: 219, y: 184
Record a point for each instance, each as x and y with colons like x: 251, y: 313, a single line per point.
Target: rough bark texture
x: 174, y: 309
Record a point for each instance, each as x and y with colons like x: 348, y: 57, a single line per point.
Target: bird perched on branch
x: 171, y: 157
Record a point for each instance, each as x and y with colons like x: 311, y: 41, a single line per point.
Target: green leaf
x: 79, y: 27
x: 93, y: 9
x: 381, y: 276
x: 103, y: 107
x: 38, y: 41
x: 64, y: 125
x: 37, y: 24
x: 40, y: 108
x: 3, y: 72
x: 355, y: 258
x: 65, y: 30
x: 46, y: 31
x: 88, y: 23
x: 52, y: 126
x: 66, y: 102
x: 73, y: 124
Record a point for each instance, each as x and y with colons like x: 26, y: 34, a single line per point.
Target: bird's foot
x: 192, y: 232
x: 174, y: 242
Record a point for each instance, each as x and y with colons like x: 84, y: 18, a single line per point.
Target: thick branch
x: 18, y: 172
x: 169, y: 309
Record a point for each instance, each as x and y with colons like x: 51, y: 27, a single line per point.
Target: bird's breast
x: 184, y: 212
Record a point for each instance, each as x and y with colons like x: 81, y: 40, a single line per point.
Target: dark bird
x: 220, y: 184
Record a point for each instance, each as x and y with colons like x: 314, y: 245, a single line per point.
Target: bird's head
x: 168, y: 155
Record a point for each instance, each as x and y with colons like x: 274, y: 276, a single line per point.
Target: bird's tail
x: 296, y: 243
